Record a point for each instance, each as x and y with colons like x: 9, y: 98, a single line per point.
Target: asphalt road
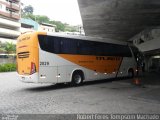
x: 93, y: 97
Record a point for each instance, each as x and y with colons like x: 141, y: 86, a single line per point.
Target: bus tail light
x: 33, y: 68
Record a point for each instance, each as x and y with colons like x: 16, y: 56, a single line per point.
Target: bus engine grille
x: 23, y: 55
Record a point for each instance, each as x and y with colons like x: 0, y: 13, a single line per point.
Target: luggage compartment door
x: 48, y: 74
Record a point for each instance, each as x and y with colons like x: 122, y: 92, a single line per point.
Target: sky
x: 66, y: 11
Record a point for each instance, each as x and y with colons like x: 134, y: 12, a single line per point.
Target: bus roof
x: 89, y: 38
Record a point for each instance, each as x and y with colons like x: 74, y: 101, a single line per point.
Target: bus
x: 51, y: 58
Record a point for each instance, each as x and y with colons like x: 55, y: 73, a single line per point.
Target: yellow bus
x: 51, y: 58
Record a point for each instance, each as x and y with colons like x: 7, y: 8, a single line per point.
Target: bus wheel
x: 130, y: 73
x: 77, y: 78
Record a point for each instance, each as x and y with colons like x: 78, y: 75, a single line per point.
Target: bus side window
x: 50, y: 44
x: 57, y: 45
x: 86, y: 47
x: 69, y: 46
x: 125, y: 51
x: 42, y: 42
x: 108, y: 49
x: 98, y: 49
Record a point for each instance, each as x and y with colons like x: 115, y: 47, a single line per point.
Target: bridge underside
x: 118, y: 19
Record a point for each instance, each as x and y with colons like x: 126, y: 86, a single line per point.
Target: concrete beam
x: 118, y: 19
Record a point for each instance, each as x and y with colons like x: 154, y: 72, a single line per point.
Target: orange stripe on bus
x: 102, y: 64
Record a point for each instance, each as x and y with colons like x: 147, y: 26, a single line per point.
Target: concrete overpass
x: 125, y: 20
x: 119, y: 19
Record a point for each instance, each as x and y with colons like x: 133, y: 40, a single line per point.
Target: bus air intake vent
x: 23, y: 55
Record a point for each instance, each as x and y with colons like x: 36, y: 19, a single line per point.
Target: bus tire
x: 77, y: 78
x: 130, y: 73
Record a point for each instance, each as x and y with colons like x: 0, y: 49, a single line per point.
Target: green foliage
x: 7, y: 67
x: 10, y: 47
x: 27, y: 16
x: 60, y: 25
x: 37, y: 18
x: 70, y: 29
x: 41, y: 19
x: 2, y: 50
x: 7, y: 48
x: 28, y: 9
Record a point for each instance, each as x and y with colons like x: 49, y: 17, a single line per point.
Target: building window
x: 0, y: 6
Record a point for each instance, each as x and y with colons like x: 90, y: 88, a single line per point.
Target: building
x: 31, y: 25
x: 148, y: 42
x: 80, y: 30
x: 28, y: 25
x: 9, y: 20
x: 47, y: 27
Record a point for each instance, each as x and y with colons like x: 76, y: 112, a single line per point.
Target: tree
x: 2, y: 47
x: 28, y: 9
x: 10, y: 47
x: 31, y: 16
x: 60, y: 25
x: 42, y: 19
x: 70, y: 28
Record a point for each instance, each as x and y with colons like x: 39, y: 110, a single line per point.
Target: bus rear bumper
x: 29, y: 78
